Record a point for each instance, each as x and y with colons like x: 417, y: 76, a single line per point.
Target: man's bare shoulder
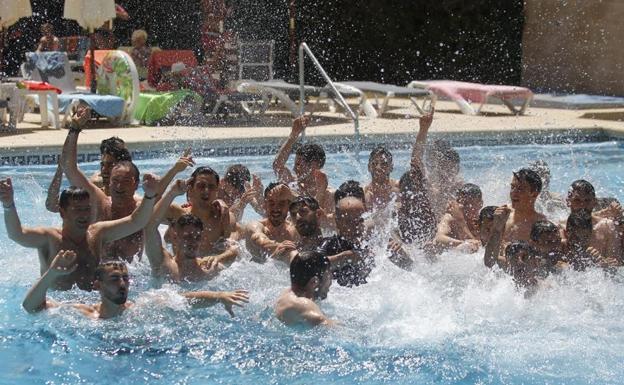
x: 292, y: 309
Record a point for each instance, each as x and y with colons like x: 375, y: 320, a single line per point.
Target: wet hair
x: 237, y: 175
x: 202, y: 170
x: 350, y: 188
x: 306, y: 200
x: 72, y: 194
x: 110, y: 265
x: 469, y: 190
x: 516, y: 247
x: 486, y: 213
x: 542, y: 227
x: 131, y: 166
x: 579, y: 221
x: 541, y: 168
x: 121, y: 155
x: 380, y: 151
x: 307, y: 265
x: 271, y: 186
x: 603, y: 203
x: 312, y: 152
x: 531, y: 177
x: 112, y: 145
x: 190, y: 219
x: 584, y: 187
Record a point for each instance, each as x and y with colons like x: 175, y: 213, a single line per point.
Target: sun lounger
x: 390, y: 91
x: 287, y: 93
x: 463, y: 93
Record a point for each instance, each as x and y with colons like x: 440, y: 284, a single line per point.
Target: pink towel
x: 475, y: 92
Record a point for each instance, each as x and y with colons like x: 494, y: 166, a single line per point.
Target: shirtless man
x: 48, y: 41
x: 526, y: 186
x: 605, y: 238
x: 238, y: 188
x: 275, y: 234
x: 309, y: 160
x: 219, y: 225
x: 310, y: 279
x: 306, y: 215
x: 113, y: 282
x: 382, y: 189
x: 78, y: 232
x: 75, y: 210
x: 186, y: 264
x: 123, y: 183
x: 459, y: 227
x: 112, y: 151
x: 580, y: 253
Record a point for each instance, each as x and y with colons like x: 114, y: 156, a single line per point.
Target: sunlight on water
x: 449, y: 322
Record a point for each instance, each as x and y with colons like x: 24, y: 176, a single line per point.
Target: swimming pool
x: 452, y: 322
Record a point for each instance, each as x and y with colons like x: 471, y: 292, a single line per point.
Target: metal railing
x: 304, y: 49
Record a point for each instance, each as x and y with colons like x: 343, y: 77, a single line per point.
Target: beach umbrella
x: 90, y: 15
x: 10, y: 12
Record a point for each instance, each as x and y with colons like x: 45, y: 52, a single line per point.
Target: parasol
x: 10, y: 12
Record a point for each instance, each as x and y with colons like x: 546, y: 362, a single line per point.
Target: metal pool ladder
x: 304, y: 49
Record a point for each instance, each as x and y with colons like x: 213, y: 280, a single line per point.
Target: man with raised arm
x: 113, y: 283
x: 75, y: 210
x: 186, y: 264
x: 310, y: 279
x: 309, y: 160
x: 459, y: 227
x: 219, y: 225
x: 274, y: 233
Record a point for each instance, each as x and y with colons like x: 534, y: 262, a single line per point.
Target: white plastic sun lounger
x: 287, y: 93
x: 463, y: 93
x: 390, y: 91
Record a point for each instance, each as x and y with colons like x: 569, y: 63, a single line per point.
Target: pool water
x: 450, y: 322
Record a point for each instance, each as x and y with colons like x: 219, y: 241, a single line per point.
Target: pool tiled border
x: 332, y: 144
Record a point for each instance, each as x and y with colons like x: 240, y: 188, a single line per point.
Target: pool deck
x: 269, y: 129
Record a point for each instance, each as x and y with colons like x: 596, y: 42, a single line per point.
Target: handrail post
x: 303, y: 48
x: 301, y: 81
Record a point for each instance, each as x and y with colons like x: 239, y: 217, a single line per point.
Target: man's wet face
x: 123, y: 183
x: 302, y: 168
x: 305, y: 220
x: 106, y: 166
x: 472, y: 205
x: 78, y: 213
x: 548, y: 244
x: 188, y: 240
x: 380, y: 166
x: 115, y: 284
x: 204, y: 190
x: 578, y: 200
x: 521, y: 193
x: 276, y: 204
x: 350, y: 217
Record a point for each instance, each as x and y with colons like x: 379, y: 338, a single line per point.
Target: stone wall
x: 574, y: 46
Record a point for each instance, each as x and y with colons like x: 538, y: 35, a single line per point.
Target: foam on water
x: 451, y: 322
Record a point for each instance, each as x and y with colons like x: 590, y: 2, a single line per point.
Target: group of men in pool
x: 105, y: 225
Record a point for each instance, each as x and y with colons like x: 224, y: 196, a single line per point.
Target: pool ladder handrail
x: 304, y: 49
